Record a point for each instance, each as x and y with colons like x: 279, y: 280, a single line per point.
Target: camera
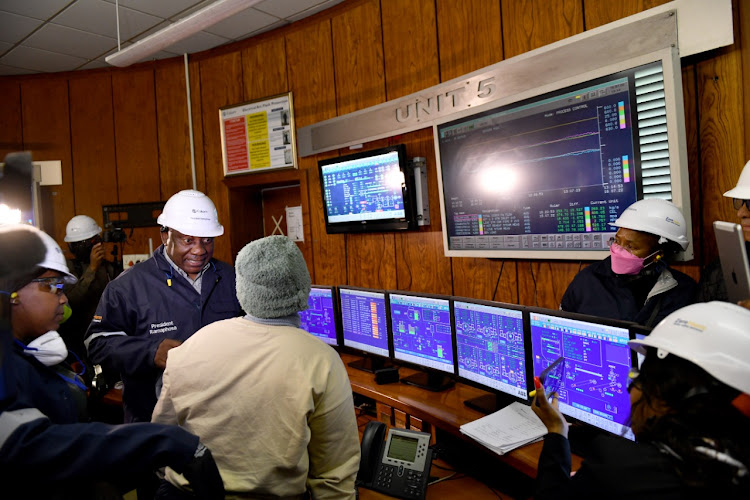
x: 115, y: 235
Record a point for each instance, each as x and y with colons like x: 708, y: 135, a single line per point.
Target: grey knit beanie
x: 272, y: 278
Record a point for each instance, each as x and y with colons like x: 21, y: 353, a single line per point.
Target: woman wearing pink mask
x: 635, y: 282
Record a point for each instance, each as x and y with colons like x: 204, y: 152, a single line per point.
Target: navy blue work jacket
x: 140, y: 308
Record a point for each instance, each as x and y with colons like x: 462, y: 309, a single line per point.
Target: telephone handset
x: 398, y: 466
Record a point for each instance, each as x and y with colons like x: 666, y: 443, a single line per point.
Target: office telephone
x: 398, y: 466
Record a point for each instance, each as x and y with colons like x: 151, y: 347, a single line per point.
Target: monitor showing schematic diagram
x: 545, y: 176
x: 597, y: 365
x: 319, y: 319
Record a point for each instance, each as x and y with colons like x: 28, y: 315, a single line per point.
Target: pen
x: 532, y: 393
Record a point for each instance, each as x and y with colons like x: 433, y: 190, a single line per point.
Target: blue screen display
x: 363, y: 321
x: 421, y: 328
x: 597, y: 364
x: 369, y: 188
x: 320, y: 319
x: 490, y: 347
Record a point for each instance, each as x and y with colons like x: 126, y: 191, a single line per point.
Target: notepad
x: 506, y: 429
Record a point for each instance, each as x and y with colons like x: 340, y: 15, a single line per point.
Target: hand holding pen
x: 547, y: 411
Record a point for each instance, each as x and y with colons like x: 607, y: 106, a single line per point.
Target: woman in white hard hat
x: 711, y: 286
x: 690, y: 412
x: 635, y: 282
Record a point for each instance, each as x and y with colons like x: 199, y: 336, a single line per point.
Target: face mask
x: 624, y: 262
x: 49, y: 349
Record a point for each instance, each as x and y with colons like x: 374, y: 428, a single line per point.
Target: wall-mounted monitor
x: 491, y: 348
x: 597, y: 365
x: 544, y: 175
x: 422, y: 336
x: 364, y: 326
x: 368, y: 191
x: 320, y: 317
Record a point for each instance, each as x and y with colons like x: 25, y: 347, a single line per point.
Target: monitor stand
x: 432, y: 381
x: 370, y: 364
x: 489, y: 403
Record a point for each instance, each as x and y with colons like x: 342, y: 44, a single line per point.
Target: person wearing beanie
x: 272, y: 402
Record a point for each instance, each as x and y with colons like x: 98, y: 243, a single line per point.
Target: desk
x: 444, y: 410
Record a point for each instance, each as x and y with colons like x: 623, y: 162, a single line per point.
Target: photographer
x: 93, y: 270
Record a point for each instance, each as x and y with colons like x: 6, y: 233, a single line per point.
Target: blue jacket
x: 40, y: 452
x: 597, y: 291
x: 139, y: 309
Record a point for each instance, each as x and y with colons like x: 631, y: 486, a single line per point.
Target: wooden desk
x: 445, y: 410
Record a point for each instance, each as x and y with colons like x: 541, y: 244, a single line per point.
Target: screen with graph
x: 421, y: 328
x: 319, y: 318
x: 550, y: 173
x: 490, y: 346
x: 597, y: 364
x: 363, y: 320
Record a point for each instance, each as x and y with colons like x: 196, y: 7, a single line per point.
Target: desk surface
x: 445, y: 410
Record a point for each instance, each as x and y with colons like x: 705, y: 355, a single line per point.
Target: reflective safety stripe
x: 12, y: 420
x: 102, y: 334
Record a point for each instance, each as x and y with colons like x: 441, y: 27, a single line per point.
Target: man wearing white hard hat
x: 157, y: 304
x: 94, y: 272
x: 711, y: 286
x: 690, y: 413
x: 635, y: 282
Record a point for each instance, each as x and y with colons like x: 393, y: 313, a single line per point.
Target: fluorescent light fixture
x: 195, y: 22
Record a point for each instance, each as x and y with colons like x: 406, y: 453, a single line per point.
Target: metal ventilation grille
x: 652, y: 133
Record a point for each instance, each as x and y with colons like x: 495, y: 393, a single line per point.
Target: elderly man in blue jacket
x: 159, y: 303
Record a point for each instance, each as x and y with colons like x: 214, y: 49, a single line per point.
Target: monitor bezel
x: 336, y: 314
x: 408, y: 222
x: 615, y: 323
x: 526, y: 331
x: 416, y: 366
x: 356, y: 350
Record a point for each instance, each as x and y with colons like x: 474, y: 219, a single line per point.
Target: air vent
x: 652, y: 133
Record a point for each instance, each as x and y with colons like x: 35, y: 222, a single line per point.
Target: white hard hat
x: 192, y: 213
x: 742, y: 189
x: 655, y: 216
x: 54, y: 259
x: 711, y: 335
x: 81, y: 227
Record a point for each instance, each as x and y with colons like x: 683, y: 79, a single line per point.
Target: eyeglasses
x: 51, y: 285
x: 738, y: 202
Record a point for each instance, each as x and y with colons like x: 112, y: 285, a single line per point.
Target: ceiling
x: 48, y: 36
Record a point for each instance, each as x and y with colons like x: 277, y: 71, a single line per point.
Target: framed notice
x: 258, y: 135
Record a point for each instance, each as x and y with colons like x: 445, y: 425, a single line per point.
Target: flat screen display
x: 490, y: 346
x: 363, y: 320
x: 549, y: 173
x: 320, y: 317
x: 368, y: 191
x: 597, y: 363
x: 421, y: 329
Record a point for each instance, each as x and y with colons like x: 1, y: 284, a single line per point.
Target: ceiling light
x: 195, y: 22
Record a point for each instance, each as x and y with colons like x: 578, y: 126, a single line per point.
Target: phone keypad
x: 407, y: 484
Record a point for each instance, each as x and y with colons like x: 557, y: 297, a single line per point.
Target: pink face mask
x: 624, y: 262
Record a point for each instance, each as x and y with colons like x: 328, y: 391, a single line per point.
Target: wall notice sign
x: 294, y: 228
x: 258, y: 135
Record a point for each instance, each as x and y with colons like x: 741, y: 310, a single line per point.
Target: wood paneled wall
x: 122, y: 135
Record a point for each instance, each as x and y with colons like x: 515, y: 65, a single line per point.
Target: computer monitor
x: 422, y: 336
x: 491, y: 351
x: 639, y: 332
x: 319, y: 319
x: 598, y: 360
x: 364, y: 326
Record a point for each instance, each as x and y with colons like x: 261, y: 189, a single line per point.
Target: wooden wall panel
x: 93, y: 144
x: 600, y: 12
x: 310, y: 71
x: 543, y: 283
x: 483, y: 281
x: 410, y: 46
x: 530, y: 24
x: 358, y: 58
x: 221, y: 85
x: 264, y: 69
x: 742, y: 12
x: 11, y: 129
x: 46, y: 133
x: 371, y: 260
x: 469, y: 36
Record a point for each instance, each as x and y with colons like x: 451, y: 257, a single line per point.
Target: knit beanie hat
x: 272, y: 278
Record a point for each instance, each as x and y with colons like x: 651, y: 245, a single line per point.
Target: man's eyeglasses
x: 738, y: 202
x: 51, y: 285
